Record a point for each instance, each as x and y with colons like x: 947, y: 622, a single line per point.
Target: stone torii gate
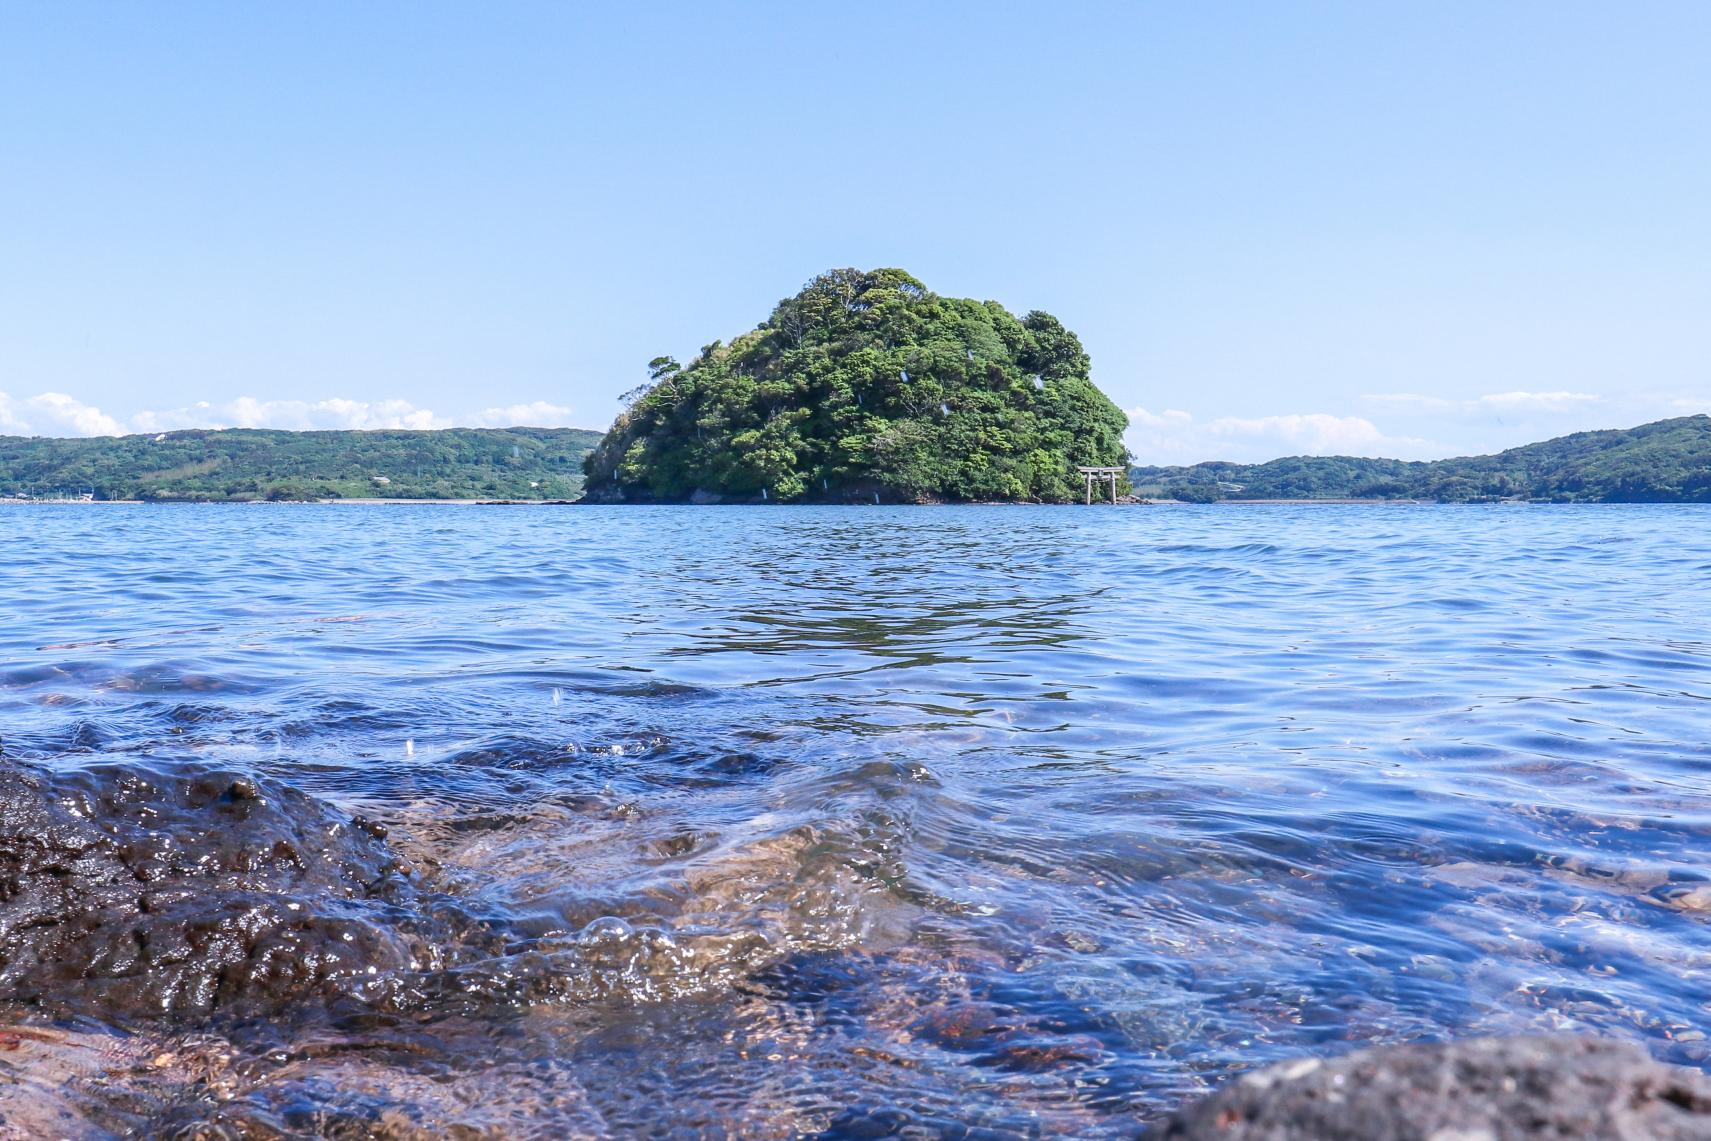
x: 1106, y: 474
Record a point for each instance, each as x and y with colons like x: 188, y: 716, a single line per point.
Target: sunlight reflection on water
x: 1026, y: 819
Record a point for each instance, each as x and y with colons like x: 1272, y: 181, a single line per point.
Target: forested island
x: 243, y: 464
x: 866, y: 387
x: 1668, y: 461
x: 901, y: 459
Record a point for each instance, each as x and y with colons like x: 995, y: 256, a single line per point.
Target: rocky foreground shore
x: 188, y: 905
x: 1482, y: 1089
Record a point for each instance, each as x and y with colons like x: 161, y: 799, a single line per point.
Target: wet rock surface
x: 1489, y: 1089
x: 136, y: 893
x: 195, y: 951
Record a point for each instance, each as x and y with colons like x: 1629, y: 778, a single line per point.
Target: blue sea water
x: 954, y: 822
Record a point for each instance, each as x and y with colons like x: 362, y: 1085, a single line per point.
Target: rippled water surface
x: 976, y: 822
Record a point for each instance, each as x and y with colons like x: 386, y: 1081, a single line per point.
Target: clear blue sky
x: 1382, y: 228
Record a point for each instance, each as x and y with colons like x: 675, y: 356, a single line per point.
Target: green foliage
x: 865, y: 383
x: 243, y: 464
x: 1194, y: 492
x: 1664, y: 462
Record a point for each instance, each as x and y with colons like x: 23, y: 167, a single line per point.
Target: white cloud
x: 55, y: 414
x: 1169, y: 420
x: 1315, y: 433
x: 1492, y: 403
x: 298, y: 415
x: 1538, y: 401
x: 1176, y: 437
x: 538, y: 414
x: 1691, y: 405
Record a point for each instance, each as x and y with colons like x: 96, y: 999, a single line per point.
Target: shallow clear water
x: 966, y: 822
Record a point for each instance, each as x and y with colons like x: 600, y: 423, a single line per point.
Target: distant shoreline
x: 375, y: 502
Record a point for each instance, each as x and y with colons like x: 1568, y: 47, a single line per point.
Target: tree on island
x: 864, y: 384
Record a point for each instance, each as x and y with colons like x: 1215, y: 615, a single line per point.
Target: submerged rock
x: 1482, y: 1089
x: 130, y: 892
x: 179, y: 893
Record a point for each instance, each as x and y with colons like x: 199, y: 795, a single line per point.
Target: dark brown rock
x: 145, y: 892
x: 1482, y: 1089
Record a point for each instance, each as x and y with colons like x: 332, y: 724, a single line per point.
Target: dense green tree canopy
x: 866, y: 383
x: 239, y: 464
x: 1668, y: 461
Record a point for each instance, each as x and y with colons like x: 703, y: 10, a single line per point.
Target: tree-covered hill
x: 1668, y: 461
x: 240, y: 464
x: 865, y: 385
